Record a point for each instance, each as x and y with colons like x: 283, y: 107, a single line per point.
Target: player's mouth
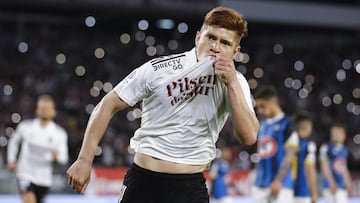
x: 213, y: 56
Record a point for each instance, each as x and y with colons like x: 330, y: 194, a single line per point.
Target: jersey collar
x: 191, y: 58
x: 276, y: 118
x: 49, y: 125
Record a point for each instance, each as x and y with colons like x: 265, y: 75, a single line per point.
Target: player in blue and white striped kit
x: 305, y: 187
x: 219, y: 169
x: 333, y: 157
x: 277, y: 146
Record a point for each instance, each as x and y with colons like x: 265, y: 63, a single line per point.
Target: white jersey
x: 37, y: 146
x: 184, y: 107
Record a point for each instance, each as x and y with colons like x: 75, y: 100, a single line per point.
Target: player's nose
x: 214, y: 47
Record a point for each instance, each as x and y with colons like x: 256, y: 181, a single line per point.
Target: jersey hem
x: 33, y: 180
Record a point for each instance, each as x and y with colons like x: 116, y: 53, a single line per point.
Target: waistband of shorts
x: 148, y: 172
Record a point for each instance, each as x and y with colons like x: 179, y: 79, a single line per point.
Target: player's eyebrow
x: 224, y: 41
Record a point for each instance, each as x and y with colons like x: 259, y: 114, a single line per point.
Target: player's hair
x: 301, y: 116
x: 46, y: 97
x: 339, y: 125
x: 227, y: 18
x: 265, y: 92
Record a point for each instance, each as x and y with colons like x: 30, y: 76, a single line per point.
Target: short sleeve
x: 246, y: 90
x: 323, y: 152
x: 14, y: 143
x: 311, y: 155
x: 293, y: 140
x: 133, y: 88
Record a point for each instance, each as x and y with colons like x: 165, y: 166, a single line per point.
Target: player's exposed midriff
x: 163, y: 166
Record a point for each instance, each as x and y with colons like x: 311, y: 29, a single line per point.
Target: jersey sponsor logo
x: 267, y: 147
x: 36, y: 149
x: 339, y: 165
x: 185, y: 88
x: 173, y: 62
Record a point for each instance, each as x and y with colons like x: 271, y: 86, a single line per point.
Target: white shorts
x: 302, y: 200
x: 341, y: 196
x: 262, y: 195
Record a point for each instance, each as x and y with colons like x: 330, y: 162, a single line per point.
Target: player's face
x: 45, y: 110
x: 216, y: 41
x: 338, y: 135
x: 265, y: 107
x: 305, y: 129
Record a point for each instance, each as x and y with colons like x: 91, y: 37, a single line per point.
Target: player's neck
x: 44, y: 122
x: 338, y: 143
x: 277, y: 112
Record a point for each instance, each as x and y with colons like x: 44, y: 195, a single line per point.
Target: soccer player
x: 218, y: 170
x: 333, y: 162
x: 43, y: 143
x: 305, y: 187
x: 186, y: 100
x: 277, y: 146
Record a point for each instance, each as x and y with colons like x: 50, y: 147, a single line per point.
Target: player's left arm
x: 347, y: 180
x: 291, y: 148
x: 244, y: 120
x: 310, y: 169
x: 13, y: 147
x: 61, y: 155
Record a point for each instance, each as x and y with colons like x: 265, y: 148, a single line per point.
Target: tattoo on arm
x: 286, y: 163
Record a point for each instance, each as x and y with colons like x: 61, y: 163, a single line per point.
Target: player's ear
x: 197, y: 38
x: 236, y: 51
x: 54, y: 113
x: 276, y: 101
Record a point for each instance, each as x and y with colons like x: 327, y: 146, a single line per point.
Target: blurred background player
x: 43, y: 143
x: 219, y: 169
x: 277, y: 146
x: 305, y: 186
x: 333, y: 162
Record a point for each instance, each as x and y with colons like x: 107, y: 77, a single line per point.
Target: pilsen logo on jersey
x: 186, y: 88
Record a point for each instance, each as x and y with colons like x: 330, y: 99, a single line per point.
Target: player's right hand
x: 275, y: 187
x: 314, y: 198
x: 79, y: 175
x: 12, y: 166
x: 333, y: 187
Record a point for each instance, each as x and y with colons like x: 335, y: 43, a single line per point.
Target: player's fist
x: 225, y: 69
x: 314, y: 198
x: 351, y: 191
x: 12, y: 166
x: 333, y: 187
x: 275, y: 187
x: 79, y: 175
